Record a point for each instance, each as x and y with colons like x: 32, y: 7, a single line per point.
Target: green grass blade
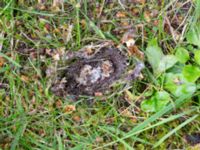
x: 157, y: 115
x: 78, y: 31
x: 94, y: 27
x: 153, y: 118
x: 171, y: 118
x: 19, y: 134
x: 174, y: 130
x: 196, y: 13
x: 60, y: 144
x: 6, y: 7
x: 120, y: 140
x: 39, y: 144
x: 34, y: 12
x: 114, y: 130
x: 10, y: 60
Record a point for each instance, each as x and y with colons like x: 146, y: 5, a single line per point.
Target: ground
x: 159, y: 110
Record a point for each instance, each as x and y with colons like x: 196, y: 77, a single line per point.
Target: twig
x: 119, y: 1
x: 171, y: 29
x: 1, y: 40
x: 101, y: 9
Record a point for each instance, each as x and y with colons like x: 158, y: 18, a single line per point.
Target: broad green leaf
x: 157, y: 102
x: 162, y: 99
x: 197, y: 56
x: 191, y: 73
x: 193, y: 36
x: 182, y: 55
x: 177, y: 68
x: 178, y: 85
x: 157, y: 59
x: 166, y: 62
x: 148, y: 105
x: 154, y: 54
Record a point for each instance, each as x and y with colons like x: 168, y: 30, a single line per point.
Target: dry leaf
x: 69, y: 109
x: 99, y: 139
x: 55, y: 9
x: 41, y: 1
x: 121, y: 14
x: 47, y: 27
x: 77, y: 118
x: 56, y: 31
x: 67, y: 33
x: 125, y: 112
x: 147, y: 16
x: 128, y: 39
x: 129, y: 96
x: 58, y: 103
x: 41, y: 7
x: 133, y: 50
x: 156, y: 23
x: 24, y: 78
x: 129, y: 35
x: 55, y: 54
x: 130, y: 42
x: 98, y: 94
x: 56, y: 57
x: 21, y: 2
x: 49, y: 52
x: 135, y: 11
x: 83, y: 23
x: 57, y: 3
x: 89, y: 50
x: 2, y: 61
x: 61, y: 51
x: 141, y: 1
x: 42, y: 132
x: 125, y: 24
x: 133, y: 119
x: 110, y: 120
x: 78, y: 5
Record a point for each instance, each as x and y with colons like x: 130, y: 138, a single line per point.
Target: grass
x: 32, y: 117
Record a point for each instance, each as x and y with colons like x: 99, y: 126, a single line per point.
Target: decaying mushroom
x: 90, y: 72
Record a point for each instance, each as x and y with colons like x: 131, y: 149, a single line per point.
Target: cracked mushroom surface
x: 89, y: 75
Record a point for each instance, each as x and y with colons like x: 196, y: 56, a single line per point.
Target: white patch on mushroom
x: 89, y: 75
x: 82, y: 78
x: 95, y: 74
x: 107, y: 69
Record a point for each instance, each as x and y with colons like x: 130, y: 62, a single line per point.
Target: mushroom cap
x: 96, y: 74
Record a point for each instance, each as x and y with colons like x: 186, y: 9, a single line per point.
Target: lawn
x: 157, y: 110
